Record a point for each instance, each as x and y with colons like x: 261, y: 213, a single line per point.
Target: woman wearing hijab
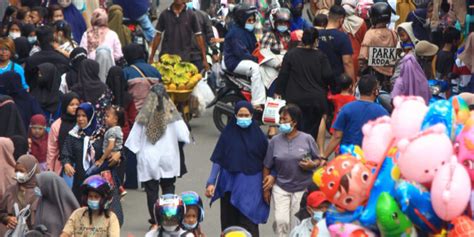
x: 82, y: 147
x: 412, y: 80
x: 22, y: 48
x: 47, y: 91
x: 89, y: 87
x: 75, y: 58
x: 158, y: 125
x: 100, y: 34
x: 26, y: 104
x: 74, y: 18
x: 355, y: 28
x: 116, y: 24
x: 38, y: 139
x: 11, y: 123
x: 103, y: 55
x: 236, y: 175
x: 56, y: 203
x: 7, y: 165
x: 22, y: 192
x: 60, y: 129
x: 421, y: 22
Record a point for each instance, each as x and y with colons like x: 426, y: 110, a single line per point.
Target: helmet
x: 242, y: 12
x: 99, y: 185
x: 279, y: 15
x: 191, y: 198
x: 169, y: 210
x: 380, y: 12
x: 363, y: 8
x: 235, y: 231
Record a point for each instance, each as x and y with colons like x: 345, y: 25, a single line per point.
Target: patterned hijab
x: 99, y: 28
x: 157, y: 112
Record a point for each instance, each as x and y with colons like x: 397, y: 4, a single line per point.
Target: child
x: 320, y: 21
x: 316, y: 205
x: 194, y: 213
x: 168, y: 211
x: 95, y: 217
x: 338, y: 100
x: 113, y: 138
x: 446, y: 56
x: 38, y: 140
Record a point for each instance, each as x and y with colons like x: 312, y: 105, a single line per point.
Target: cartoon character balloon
x: 466, y: 147
x: 377, y: 139
x: 440, y: 112
x: 461, y: 110
x: 391, y: 220
x: 415, y: 202
x: 421, y: 156
x: 345, y: 181
x: 451, y: 190
x: 463, y: 227
x: 407, y: 116
x: 349, y: 230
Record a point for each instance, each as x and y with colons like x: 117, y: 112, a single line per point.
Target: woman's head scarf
x: 32, y: 168
x: 89, y: 86
x: 75, y: 58
x: 7, y: 164
x: 39, y: 146
x: 157, y: 112
x: 22, y: 48
x: 67, y: 120
x: 116, y: 24
x: 47, y: 91
x: 118, y: 85
x: 96, y: 34
x: 133, y: 52
x: 91, y: 127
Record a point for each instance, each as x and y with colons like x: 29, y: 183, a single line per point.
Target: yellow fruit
x: 181, y: 87
x: 172, y: 86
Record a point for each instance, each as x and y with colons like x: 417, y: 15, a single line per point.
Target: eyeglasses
x: 3, y: 50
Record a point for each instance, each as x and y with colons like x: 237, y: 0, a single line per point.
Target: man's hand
x: 11, y: 222
x: 307, y: 164
x: 206, y: 65
x: 268, y: 182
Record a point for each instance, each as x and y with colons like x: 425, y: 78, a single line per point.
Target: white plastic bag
x: 204, y: 95
x: 271, y: 115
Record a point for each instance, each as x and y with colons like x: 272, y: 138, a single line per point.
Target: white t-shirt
x: 305, y: 227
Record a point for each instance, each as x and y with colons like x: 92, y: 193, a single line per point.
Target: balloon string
x: 423, y: 218
x: 379, y: 166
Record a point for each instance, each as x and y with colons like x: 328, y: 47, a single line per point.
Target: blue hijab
x: 241, y: 149
x: 418, y: 17
x: 91, y: 118
x: 75, y: 20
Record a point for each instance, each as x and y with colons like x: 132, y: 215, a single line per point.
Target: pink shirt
x: 111, y: 40
x: 52, y: 156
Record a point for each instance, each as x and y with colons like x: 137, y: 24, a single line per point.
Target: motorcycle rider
x: 240, y: 43
x: 378, y: 36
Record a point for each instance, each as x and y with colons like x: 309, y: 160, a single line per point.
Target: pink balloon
x: 421, y: 156
x: 450, y: 191
x: 407, y: 116
x: 466, y: 147
x: 377, y: 138
x: 349, y: 230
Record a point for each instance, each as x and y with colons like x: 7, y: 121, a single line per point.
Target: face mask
x: 189, y: 227
x: 14, y: 35
x: 285, y: 128
x: 93, y: 204
x: 21, y: 177
x: 31, y: 39
x: 170, y: 228
x: 250, y: 27
x: 189, y: 5
x: 244, y: 122
x: 318, y: 215
x: 408, y: 45
x: 38, y: 192
x: 282, y: 28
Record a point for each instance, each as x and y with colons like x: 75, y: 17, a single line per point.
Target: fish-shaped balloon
x: 391, y: 220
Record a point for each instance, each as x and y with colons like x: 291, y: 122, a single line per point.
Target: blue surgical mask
x: 188, y: 226
x: 249, y: 27
x: 32, y: 39
x: 285, y: 128
x: 244, y: 122
x: 318, y: 215
x: 93, y: 204
x: 189, y: 5
x: 38, y: 192
x: 282, y: 28
x: 407, y: 45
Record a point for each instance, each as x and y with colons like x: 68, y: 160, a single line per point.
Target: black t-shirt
x: 444, y: 63
x: 335, y: 44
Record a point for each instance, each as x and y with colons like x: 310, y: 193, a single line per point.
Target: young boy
x: 168, y: 212
x: 194, y: 213
x: 316, y: 205
x: 445, y: 57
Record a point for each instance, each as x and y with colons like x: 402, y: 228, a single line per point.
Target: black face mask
x: 296, y: 12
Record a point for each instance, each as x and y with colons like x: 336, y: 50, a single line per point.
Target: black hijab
x: 67, y: 120
x: 47, y: 91
x: 241, y: 149
x: 89, y: 86
x: 75, y: 58
x: 118, y: 85
x: 133, y: 52
x: 21, y: 146
x: 11, y: 122
x: 26, y: 29
x: 22, y: 48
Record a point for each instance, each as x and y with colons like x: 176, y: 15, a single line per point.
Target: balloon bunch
x: 412, y: 176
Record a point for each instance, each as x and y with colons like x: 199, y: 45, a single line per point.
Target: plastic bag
x: 204, y: 95
x: 271, y: 115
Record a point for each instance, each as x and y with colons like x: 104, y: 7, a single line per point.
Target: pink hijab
x: 96, y: 34
x: 7, y: 164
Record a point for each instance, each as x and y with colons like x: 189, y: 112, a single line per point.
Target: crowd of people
x: 84, y: 115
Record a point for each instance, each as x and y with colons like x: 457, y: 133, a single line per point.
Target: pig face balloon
x: 377, y: 138
x: 407, y: 116
x: 421, y: 156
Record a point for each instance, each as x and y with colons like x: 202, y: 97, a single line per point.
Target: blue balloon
x: 441, y: 111
x: 413, y: 198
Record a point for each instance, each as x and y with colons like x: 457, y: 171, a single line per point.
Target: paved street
x: 197, y: 160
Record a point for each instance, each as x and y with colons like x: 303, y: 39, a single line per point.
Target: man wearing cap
x: 316, y: 205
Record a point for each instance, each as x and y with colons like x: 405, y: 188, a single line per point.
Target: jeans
x: 148, y: 28
x: 286, y: 205
x: 152, y: 189
x: 252, y: 69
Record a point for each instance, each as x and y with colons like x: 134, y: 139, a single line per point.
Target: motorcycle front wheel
x: 224, y: 111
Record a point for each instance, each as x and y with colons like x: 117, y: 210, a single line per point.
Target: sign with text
x: 382, y: 56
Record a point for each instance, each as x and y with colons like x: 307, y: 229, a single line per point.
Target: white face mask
x: 23, y: 177
x: 170, y: 228
x: 14, y: 35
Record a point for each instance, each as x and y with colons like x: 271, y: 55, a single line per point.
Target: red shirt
x: 338, y: 101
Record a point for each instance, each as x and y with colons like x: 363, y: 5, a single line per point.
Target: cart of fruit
x: 179, y: 79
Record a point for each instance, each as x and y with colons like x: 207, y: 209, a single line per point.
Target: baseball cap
x: 315, y: 199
